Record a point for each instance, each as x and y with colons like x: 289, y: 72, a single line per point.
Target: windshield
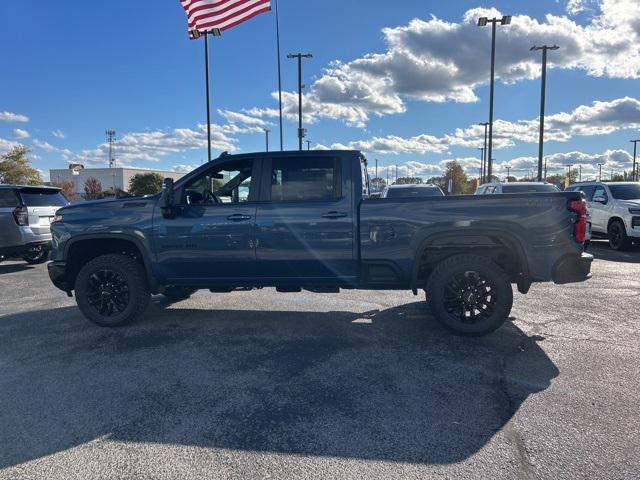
x: 625, y: 192
x: 42, y: 198
x: 529, y: 188
x: 414, y: 192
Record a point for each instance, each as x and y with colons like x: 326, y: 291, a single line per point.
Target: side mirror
x: 600, y: 199
x: 167, y: 199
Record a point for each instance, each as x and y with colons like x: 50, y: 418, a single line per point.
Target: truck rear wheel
x: 112, y: 290
x: 470, y: 295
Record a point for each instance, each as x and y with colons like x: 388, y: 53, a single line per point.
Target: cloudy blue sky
x: 405, y: 81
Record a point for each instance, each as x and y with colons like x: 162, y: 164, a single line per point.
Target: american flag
x: 209, y: 15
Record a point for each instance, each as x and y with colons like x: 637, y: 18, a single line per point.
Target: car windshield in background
x: 42, y: 198
x: 625, y: 192
x: 414, y: 192
x: 528, y: 188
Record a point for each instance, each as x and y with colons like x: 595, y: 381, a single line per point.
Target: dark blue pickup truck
x: 304, y: 220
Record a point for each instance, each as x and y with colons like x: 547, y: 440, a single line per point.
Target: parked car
x: 25, y: 215
x: 307, y: 223
x: 516, y: 187
x: 417, y: 190
x: 615, y: 211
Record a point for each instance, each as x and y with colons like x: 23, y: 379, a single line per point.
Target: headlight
x: 634, y: 211
x: 58, y: 217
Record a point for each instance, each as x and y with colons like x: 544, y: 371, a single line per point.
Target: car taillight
x: 580, y: 225
x: 21, y: 215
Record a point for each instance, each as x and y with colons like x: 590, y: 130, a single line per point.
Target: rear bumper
x: 572, y: 268
x: 18, y: 250
x: 58, y: 275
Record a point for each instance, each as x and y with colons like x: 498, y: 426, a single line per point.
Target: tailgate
x: 40, y: 219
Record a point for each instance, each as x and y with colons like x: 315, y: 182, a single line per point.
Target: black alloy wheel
x: 112, y: 290
x: 470, y: 294
x: 36, y: 255
x: 108, y: 293
x: 618, y: 239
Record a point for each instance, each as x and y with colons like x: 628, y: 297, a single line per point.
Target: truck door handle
x: 334, y: 215
x: 238, y: 217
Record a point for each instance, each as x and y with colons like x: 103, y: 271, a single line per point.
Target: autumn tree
x: 457, y: 175
x: 145, y: 183
x: 16, y: 169
x: 66, y: 188
x: 93, y: 189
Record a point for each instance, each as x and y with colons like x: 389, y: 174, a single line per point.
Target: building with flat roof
x: 111, y: 178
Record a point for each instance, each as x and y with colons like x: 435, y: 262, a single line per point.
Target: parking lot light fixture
x: 600, y: 172
x: 634, y: 172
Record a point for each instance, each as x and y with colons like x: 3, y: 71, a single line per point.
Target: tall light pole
x: 482, y: 22
x: 545, y: 169
x: 508, y: 170
x: 634, y: 174
x: 600, y: 173
x: 309, y: 142
x: 482, y: 153
x: 579, y: 173
x: 544, y: 49
x: 300, y: 56
x: 266, y: 133
x: 569, y: 172
x: 377, y: 171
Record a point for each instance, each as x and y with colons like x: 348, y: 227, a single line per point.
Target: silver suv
x: 25, y: 215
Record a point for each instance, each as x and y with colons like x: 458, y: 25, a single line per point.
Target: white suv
x: 615, y: 211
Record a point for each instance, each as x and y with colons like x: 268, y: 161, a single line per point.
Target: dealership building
x: 110, y: 178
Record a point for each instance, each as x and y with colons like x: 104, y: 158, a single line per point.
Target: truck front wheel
x: 469, y: 294
x: 112, y: 290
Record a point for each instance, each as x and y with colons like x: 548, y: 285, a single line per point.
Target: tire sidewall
x: 624, y: 241
x: 123, y: 266
x: 499, y: 280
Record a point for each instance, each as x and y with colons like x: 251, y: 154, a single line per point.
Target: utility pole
x: 579, y: 173
x: 300, y: 56
x: 266, y: 134
x: 600, y: 173
x: 111, y: 138
x: 544, y: 49
x: 484, y: 153
x: 569, y: 172
x: 545, y: 169
x: 396, y: 173
x: 482, y: 150
x: 508, y: 170
x: 634, y: 173
x: 482, y: 22
x: 308, y: 144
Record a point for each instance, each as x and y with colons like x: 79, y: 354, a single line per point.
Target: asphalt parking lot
x: 352, y: 385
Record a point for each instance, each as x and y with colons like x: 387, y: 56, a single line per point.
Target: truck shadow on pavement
x: 382, y: 385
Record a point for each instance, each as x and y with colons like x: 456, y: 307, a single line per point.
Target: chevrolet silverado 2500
x: 304, y: 221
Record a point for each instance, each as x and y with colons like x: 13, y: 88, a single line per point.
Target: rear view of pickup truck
x: 304, y: 220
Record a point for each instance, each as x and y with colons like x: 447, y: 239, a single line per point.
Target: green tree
x: 15, y: 168
x: 378, y: 183
x: 456, y: 173
x: 145, y: 183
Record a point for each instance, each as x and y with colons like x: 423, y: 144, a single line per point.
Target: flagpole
x: 279, y: 73
x: 206, y: 67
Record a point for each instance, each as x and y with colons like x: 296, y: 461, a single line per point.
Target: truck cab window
x: 226, y: 183
x: 303, y: 179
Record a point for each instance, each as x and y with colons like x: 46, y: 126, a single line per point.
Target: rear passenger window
x: 304, y: 179
x: 588, y: 191
x: 8, y: 198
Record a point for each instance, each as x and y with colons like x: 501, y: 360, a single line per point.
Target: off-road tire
x: 130, y: 272
x: 448, y: 302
